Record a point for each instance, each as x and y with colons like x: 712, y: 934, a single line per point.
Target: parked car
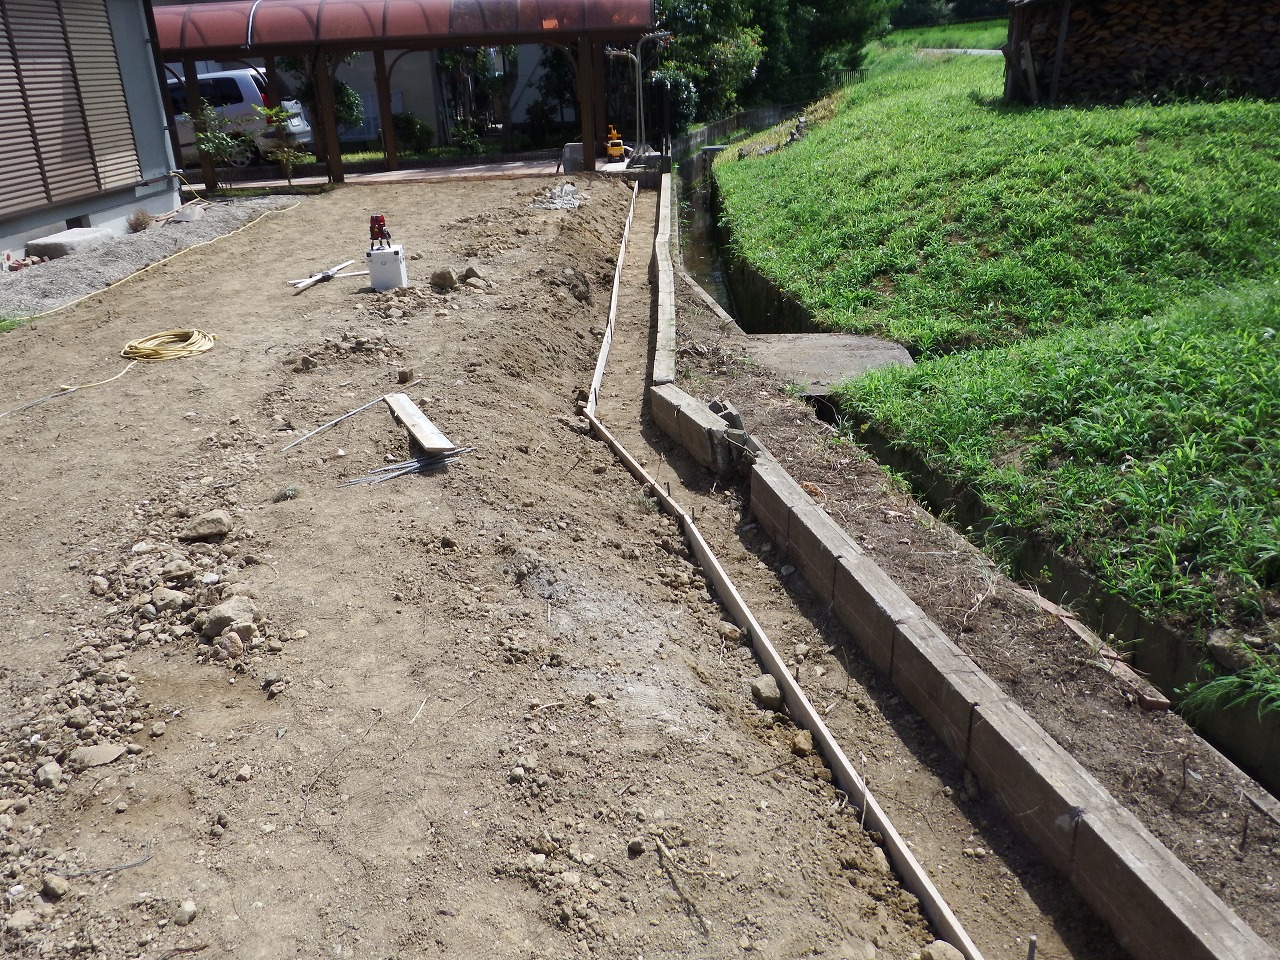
x: 233, y: 94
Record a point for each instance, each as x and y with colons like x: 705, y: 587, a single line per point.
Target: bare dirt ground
x: 492, y: 710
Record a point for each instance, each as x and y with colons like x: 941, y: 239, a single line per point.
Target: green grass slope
x: 1149, y: 449
x: 1095, y: 298
x: 977, y: 35
x: 926, y: 211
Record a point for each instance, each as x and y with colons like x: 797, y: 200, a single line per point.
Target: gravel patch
x: 47, y: 286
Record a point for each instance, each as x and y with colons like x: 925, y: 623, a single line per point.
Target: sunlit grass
x: 929, y: 212
x: 978, y: 35
x: 1148, y: 449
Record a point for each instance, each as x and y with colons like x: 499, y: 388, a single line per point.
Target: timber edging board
x: 1156, y: 907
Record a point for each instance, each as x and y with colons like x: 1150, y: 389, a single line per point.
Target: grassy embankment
x: 976, y: 35
x: 1094, y: 296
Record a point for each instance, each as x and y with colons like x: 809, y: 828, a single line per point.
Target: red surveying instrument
x: 379, y: 235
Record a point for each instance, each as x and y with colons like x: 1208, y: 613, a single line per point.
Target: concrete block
x: 870, y: 606
x: 936, y: 678
x: 68, y: 242
x: 702, y: 434
x: 773, y: 493
x: 815, y: 542
x: 665, y: 401
x: 1042, y: 788
x: 1156, y: 907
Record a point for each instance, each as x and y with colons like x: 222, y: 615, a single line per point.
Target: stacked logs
x: 1113, y: 50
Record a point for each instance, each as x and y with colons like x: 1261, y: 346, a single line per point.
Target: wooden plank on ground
x: 428, y: 435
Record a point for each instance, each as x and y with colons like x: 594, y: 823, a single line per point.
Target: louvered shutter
x: 102, y: 93
x: 57, y: 119
x: 65, y: 131
x: 23, y: 186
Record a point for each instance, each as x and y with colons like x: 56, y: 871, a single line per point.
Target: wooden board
x: 428, y: 436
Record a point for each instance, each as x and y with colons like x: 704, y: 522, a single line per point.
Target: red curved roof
x: 243, y: 25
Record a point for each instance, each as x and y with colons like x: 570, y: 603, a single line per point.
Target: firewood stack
x: 1113, y: 50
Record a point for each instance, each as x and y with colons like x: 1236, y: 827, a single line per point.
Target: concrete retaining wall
x: 1158, y: 909
x: 1112, y: 859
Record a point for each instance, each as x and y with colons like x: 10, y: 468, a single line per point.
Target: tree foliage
x: 727, y: 53
x: 348, y: 108
x: 715, y: 50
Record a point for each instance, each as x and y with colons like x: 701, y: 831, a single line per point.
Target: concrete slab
x: 818, y: 361
x: 68, y: 242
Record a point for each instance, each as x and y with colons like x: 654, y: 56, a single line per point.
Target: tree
x: 730, y: 51
x: 348, y: 108
x: 715, y: 50
x: 808, y: 44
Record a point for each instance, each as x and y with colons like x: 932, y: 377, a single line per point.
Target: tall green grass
x: 1094, y: 295
x: 1148, y: 449
x: 928, y: 211
x: 977, y: 35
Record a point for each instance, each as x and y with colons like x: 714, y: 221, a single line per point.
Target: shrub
x: 411, y: 133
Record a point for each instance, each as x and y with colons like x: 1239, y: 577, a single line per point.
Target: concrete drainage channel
x: 1155, y: 906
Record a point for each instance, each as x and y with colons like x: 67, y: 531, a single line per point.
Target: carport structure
x: 236, y: 29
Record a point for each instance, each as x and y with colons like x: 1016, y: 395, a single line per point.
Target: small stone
x: 185, y: 913
x: 166, y: 600
x: 765, y: 689
x: 49, y: 775
x: 940, y: 950
x: 55, y: 887
x: 239, y: 609
x: 516, y: 775
x: 20, y: 921
x: 244, y: 774
x: 158, y: 728
x: 444, y: 279
x: 635, y: 846
x: 802, y: 743
x: 729, y: 631
x: 78, y: 718
x: 802, y: 651
x: 97, y: 755
x: 207, y: 526
x: 1223, y: 647
x: 787, y: 570
x: 99, y: 586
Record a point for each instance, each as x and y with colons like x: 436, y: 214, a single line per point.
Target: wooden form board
x: 428, y: 435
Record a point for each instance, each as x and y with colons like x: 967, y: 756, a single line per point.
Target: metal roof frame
x: 234, y: 29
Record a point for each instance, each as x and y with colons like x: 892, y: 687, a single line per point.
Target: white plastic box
x: 387, y: 267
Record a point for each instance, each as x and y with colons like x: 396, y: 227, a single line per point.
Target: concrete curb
x: 1157, y: 908
x: 664, y: 357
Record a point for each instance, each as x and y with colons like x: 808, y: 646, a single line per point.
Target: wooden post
x: 1062, y: 44
x: 323, y: 80
x: 587, y: 100
x: 197, y: 123
x: 384, y: 110
x: 601, y: 108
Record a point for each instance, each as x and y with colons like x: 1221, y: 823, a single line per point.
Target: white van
x: 233, y: 93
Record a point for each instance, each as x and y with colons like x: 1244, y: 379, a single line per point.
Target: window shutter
x: 24, y: 186
x: 57, y: 118
x: 101, y: 92
x: 65, y: 131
